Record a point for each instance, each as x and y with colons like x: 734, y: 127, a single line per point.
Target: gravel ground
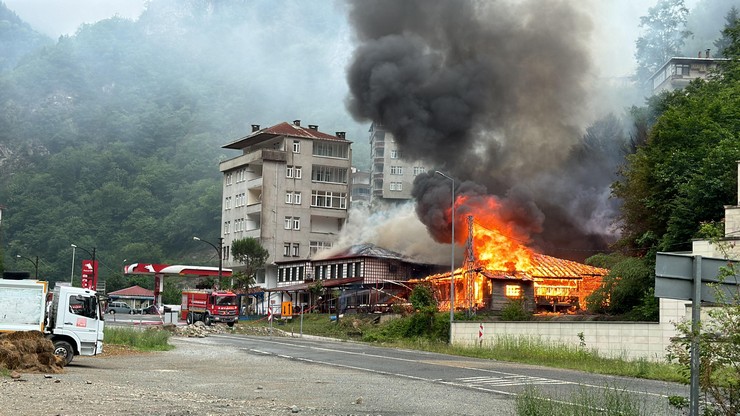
x: 197, y: 379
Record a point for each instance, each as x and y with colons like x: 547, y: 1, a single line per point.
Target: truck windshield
x: 84, y: 305
x: 226, y: 300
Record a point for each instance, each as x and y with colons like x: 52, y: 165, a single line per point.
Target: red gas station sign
x: 90, y: 274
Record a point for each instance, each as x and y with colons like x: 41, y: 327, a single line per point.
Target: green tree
x: 171, y: 294
x: 252, y: 256
x: 726, y: 41
x: 664, y: 36
x: 422, y: 296
x: 684, y: 174
x: 316, y: 289
x: 627, y: 289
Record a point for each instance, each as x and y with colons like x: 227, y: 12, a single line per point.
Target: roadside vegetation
x: 151, y: 339
x: 613, y: 401
x: 427, y: 331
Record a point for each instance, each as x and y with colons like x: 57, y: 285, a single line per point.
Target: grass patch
x: 611, y: 401
x: 406, y: 332
x: 150, y: 339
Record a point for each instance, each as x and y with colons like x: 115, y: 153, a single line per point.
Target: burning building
x: 547, y: 284
x: 499, y: 267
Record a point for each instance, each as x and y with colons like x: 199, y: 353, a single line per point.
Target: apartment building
x: 360, y: 192
x: 392, y: 175
x: 678, y: 71
x: 289, y: 188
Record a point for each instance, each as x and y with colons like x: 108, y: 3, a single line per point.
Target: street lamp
x: 452, y: 243
x: 35, y: 264
x: 72, y: 276
x: 219, y: 250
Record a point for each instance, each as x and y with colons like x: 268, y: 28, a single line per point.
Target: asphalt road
x: 463, y: 379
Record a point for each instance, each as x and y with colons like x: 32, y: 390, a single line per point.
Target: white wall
x: 628, y: 340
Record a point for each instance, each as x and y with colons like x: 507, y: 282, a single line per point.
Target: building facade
x: 392, y: 175
x: 289, y: 188
x: 678, y: 71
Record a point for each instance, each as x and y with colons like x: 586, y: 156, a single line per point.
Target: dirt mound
x: 29, y: 352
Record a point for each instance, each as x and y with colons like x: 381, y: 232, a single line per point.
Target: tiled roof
x: 547, y: 266
x: 292, y: 130
x: 282, y: 129
x: 366, y: 250
x: 543, y: 266
x: 132, y: 291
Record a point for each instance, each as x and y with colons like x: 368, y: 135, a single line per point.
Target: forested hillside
x: 17, y: 39
x: 111, y: 138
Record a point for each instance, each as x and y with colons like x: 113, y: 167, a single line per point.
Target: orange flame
x: 497, y: 244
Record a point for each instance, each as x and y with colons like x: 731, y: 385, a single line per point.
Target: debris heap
x: 29, y: 352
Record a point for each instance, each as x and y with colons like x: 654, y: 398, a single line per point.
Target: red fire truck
x: 209, y: 306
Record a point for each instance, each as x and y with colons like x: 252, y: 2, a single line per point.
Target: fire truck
x: 209, y: 306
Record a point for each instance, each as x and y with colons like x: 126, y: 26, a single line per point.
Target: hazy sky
x: 615, y: 23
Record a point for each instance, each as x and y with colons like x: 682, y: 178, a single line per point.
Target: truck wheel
x: 112, y: 312
x: 63, y: 349
x: 207, y: 320
x: 189, y: 318
x: 230, y: 324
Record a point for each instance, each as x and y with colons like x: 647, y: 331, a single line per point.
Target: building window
x: 681, y: 69
x: 293, y: 172
x: 292, y: 223
x: 329, y: 174
x: 286, y: 249
x: 418, y: 170
x: 296, y: 146
x: 239, y: 200
x: 325, y: 199
x: 396, y: 170
x: 396, y: 154
x: 396, y: 186
x: 338, y: 150
x: 227, y: 202
x: 227, y: 225
x: 316, y: 246
x: 513, y: 291
x: 226, y: 252
x: 296, y: 249
x: 293, y: 198
x: 228, y: 178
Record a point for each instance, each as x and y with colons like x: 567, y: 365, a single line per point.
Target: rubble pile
x: 262, y: 330
x: 198, y: 330
x: 30, y: 352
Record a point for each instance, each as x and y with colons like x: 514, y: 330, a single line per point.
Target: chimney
x: 255, y: 127
x: 313, y: 127
x: 296, y: 122
x: 340, y: 134
x: 699, y: 56
x: 707, y: 54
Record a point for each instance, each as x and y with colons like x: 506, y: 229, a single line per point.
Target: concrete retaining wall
x: 628, y: 340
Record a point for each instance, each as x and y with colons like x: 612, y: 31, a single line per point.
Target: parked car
x: 119, y: 307
x: 148, y: 310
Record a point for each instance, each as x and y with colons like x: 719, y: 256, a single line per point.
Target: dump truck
x: 209, y: 306
x: 70, y: 317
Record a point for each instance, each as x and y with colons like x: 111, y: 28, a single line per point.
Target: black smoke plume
x: 495, y: 92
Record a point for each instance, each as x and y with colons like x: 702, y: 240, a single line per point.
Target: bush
x: 515, y: 311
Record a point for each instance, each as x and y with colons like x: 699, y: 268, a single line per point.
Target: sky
x: 615, y: 23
